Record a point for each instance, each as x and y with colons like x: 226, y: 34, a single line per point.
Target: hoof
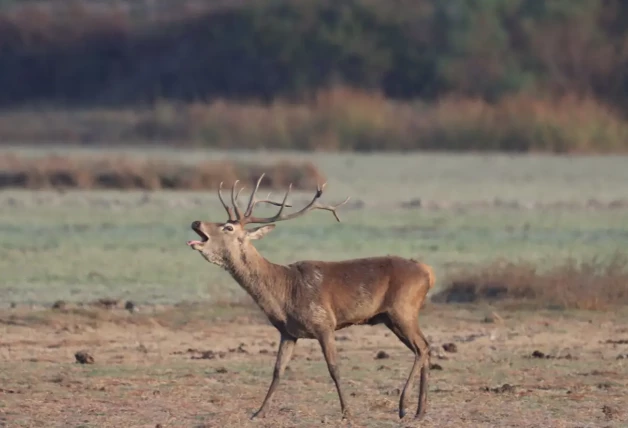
x: 402, y: 413
x: 419, y: 416
x: 257, y: 415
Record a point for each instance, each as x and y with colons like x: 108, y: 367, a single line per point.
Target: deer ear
x: 259, y: 232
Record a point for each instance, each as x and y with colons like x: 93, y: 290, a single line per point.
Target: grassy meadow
x: 197, y: 354
x: 448, y: 210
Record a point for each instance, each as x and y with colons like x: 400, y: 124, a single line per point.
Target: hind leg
x: 425, y: 374
x: 411, y: 336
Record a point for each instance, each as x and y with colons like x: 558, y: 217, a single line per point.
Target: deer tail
x: 429, y: 273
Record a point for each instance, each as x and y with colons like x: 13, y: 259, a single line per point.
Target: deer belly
x: 357, y: 316
x: 360, y: 306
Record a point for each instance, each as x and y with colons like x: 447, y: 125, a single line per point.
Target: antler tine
x: 283, y: 203
x: 253, y: 201
x: 251, y: 204
x: 331, y: 208
x: 238, y: 194
x: 234, y: 201
x: 309, y: 207
x: 227, y: 208
x: 270, y: 202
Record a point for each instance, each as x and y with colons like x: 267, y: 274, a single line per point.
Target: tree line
x: 292, y: 49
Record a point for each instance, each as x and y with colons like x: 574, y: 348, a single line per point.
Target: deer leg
x: 286, y: 347
x: 410, y: 335
x: 328, y: 345
x: 425, y: 367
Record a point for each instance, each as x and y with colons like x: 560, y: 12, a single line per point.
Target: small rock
x: 500, y: 389
x: 59, y: 304
x: 436, y: 367
x: 130, y: 306
x: 506, y: 388
x: 83, y: 357
x: 221, y: 370
x: 381, y: 355
x: 450, y: 347
x: 538, y: 354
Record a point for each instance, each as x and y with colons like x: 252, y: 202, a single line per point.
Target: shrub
x: 589, y: 284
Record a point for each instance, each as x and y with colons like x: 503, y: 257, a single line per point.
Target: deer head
x: 222, y: 243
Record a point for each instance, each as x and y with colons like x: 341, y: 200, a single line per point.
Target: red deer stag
x: 312, y: 299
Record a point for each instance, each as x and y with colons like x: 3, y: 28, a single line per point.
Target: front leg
x: 328, y: 345
x: 284, y: 353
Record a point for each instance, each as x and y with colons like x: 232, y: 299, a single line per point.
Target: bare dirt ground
x: 192, y: 366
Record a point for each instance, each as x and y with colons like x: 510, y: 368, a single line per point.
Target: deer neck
x: 264, y: 281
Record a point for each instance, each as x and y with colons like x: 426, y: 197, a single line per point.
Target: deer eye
x: 228, y: 228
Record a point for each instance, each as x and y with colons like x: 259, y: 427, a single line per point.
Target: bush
x: 590, y: 284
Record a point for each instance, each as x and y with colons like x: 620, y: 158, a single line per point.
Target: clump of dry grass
x: 524, y: 123
x: 342, y: 120
x: 124, y: 173
x: 589, y: 284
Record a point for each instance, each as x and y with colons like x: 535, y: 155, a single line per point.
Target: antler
x: 313, y: 205
x: 227, y: 208
x: 237, y: 215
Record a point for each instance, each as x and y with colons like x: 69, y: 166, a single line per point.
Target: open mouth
x: 200, y: 233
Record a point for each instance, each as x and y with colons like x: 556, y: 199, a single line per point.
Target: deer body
x: 312, y: 299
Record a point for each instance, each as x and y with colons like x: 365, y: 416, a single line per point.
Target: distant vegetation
x: 58, y: 172
x: 483, y: 75
x: 340, y: 120
x: 593, y: 284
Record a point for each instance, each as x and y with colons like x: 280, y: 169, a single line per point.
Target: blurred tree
x: 262, y: 49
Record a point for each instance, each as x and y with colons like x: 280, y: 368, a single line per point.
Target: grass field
x: 81, y: 246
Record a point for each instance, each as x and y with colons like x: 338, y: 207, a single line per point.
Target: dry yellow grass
x: 124, y: 173
x: 588, y: 284
x: 342, y: 120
